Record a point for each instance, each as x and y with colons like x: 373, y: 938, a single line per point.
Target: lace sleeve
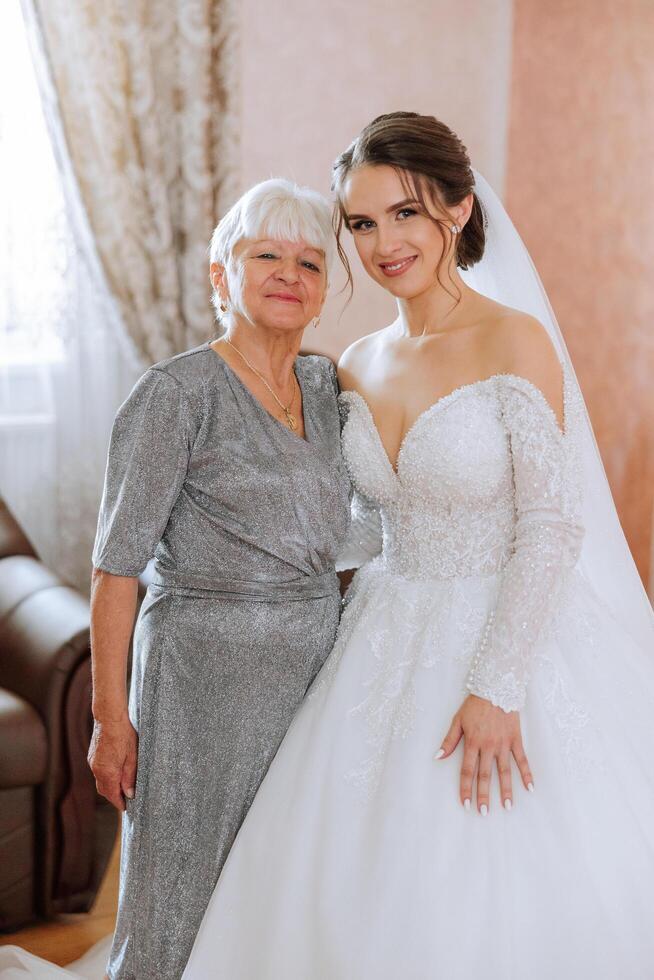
x: 546, y: 545
x: 364, y: 539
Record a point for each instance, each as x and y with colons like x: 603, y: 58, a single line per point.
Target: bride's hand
x: 490, y: 736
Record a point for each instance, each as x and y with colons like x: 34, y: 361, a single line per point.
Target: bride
x: 466, y: 790
x: 497, y: 626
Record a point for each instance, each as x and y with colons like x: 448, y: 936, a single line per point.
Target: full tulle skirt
x: 16, y: 964
x: 358, y: 861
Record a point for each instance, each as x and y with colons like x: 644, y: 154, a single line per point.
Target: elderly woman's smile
x: 285, y: 297
x: 278, y: 283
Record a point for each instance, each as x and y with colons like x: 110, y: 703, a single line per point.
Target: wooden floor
x: 69, y: 936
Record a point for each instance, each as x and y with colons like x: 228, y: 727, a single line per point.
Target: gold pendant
x: 292, y: 421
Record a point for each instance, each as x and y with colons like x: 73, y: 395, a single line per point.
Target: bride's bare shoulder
x: 519, y: 344
x: 355, y: 358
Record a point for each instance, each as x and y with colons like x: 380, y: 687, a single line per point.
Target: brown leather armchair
x: 13, y: 540
x: 56, y: 833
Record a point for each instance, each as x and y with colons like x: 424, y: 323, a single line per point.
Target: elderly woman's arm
x: 147, y: 464
x: 113, y: 750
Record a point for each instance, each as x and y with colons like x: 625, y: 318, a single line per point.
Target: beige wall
x: 312, y: 74
x: 581, y: 188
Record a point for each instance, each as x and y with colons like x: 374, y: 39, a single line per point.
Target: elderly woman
x: 225, y: 465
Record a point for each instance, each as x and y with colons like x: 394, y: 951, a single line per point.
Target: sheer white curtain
x: 65, y: 363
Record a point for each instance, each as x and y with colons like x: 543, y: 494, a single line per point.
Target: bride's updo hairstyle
x: 434, y: 167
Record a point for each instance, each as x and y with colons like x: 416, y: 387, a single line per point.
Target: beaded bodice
x: 486, y: 483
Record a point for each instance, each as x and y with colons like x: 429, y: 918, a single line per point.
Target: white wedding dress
x: 493, y: 562
x: 357, y: 860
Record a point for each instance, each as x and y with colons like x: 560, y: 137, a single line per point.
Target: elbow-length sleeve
x: 148, y: 459
x: 546, y: 545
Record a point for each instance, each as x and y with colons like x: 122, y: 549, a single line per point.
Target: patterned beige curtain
x: 145, y: 92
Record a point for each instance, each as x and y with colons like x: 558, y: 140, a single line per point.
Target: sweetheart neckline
x: 444, y: 399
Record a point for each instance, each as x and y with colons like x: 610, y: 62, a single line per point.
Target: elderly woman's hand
x: 112, y: 758
x: 491, y: 736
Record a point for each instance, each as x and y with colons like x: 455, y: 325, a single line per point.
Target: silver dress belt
x: 180, y: 582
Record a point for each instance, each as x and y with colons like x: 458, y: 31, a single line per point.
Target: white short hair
x: 279, y: 209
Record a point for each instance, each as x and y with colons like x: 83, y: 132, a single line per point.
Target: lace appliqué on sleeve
x: 546, y: 545
x: 364, y: 538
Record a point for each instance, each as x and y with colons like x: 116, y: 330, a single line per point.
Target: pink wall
x: 580, y: 187
x: 567, y: 130
x: 312, y: 74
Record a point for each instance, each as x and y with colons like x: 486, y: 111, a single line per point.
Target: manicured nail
x: 439, y: 754
x: 129, y: 793
x: 508, y: 805
x: 466, y: 804
x: 483, y: 809
x: 530, y: 787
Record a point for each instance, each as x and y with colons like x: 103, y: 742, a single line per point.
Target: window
x: 35, y: 245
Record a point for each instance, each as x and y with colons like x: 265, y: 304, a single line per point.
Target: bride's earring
x: 455, y: 229
x: 316, y: 323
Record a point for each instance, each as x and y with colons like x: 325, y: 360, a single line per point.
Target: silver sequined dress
x: 244, y: 519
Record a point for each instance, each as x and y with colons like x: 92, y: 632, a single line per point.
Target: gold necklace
x: 286, y: 409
